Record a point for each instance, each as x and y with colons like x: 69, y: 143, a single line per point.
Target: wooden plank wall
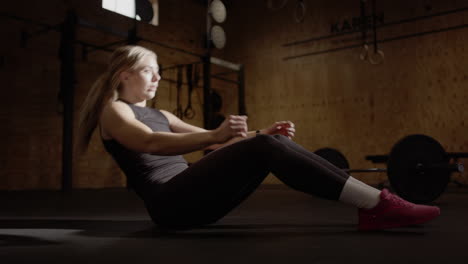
x: 337, y: 100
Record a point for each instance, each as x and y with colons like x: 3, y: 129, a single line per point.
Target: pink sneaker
x: 392, y: 211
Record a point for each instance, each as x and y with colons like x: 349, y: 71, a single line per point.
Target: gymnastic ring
x: 189, y: 112
x: 299, y: 11
x: 364, y: 53
x: 376, y: 57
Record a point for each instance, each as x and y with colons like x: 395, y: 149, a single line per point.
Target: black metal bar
x: 133, y: 38
x: 104, y: 47
x: 224, y: 79
x: 91, y: 25
x: 363, y: 26
x: 377, y: 158
x: 93, y: 46
x: 23, y: 38
x: 177, y: 65
x: 321, y: 38
x: 207, y: 106
x: 379, y: 26
x: 67, y: 83
x: 380, y: 41
x: 45, y: 30
x: 198, y: 62
x: 25, y: 35
x: 452, y: 167
x: 374, y: 26
x: 225, y: 73
x: 184, y: 83
x: 457, y: 154
x: 174, y: 81
x: 172, y: 48
x: 241, y: 91
x: 84, y: 52
x: 30, y: 21
x: 412, y: 19
x: 423, y: 33
x: 366, y: 170
x: 126, y: 35
x: 322, y: 52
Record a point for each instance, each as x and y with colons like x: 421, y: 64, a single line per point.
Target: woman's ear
x: 123, y: 76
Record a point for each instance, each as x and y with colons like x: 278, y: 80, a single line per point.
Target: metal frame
x: 67, y: 90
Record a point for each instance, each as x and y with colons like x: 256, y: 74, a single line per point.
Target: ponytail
x: 105, y: 90
x: 91, y: 111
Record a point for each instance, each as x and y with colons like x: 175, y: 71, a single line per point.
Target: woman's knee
x: 268, y: 144
x: 281, y: 138
x: 262, y: 139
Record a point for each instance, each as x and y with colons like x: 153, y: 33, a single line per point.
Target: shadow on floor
x: 20, y: 240
x: 146, y: 229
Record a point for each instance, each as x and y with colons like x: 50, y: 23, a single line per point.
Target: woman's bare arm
x: 179, y: 126
x: 119, y: 122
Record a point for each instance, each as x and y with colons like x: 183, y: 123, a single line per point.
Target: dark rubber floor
x: 275, y: 225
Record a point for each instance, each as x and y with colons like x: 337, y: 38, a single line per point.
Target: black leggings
x: 217, y: 183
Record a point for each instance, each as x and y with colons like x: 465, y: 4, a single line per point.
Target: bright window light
x: 149, y: 9
x: 123, y: 7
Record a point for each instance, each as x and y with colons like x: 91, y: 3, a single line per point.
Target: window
x: 142, y: 10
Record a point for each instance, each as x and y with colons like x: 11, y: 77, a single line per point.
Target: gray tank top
x: 144, y: 168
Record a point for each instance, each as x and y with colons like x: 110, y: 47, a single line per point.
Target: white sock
x: 357, y: 181
x: 359, y: 194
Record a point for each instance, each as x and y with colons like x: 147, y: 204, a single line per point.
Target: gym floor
x: 275, y: 225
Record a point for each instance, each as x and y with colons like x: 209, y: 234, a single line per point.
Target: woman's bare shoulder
x: 166, y: 113
x: 117, y: 109
x: 113, y: 114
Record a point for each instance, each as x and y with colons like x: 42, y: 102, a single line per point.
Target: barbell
x: 418, y: 167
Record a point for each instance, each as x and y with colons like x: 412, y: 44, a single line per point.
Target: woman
x: 148, y: 144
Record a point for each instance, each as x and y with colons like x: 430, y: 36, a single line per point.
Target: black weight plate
x: 334, y: 157
x: 416, y: 185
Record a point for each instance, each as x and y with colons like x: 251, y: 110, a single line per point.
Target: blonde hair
x: 106, y: 89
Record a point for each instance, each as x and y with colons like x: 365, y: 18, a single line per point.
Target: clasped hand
x: 233, y: 126
x: 236, y: 126
x: 285, y: 128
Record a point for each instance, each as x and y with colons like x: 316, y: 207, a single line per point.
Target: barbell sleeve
x: 452, y: 167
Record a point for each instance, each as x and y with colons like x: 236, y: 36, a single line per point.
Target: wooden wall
x: 337, y: 100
